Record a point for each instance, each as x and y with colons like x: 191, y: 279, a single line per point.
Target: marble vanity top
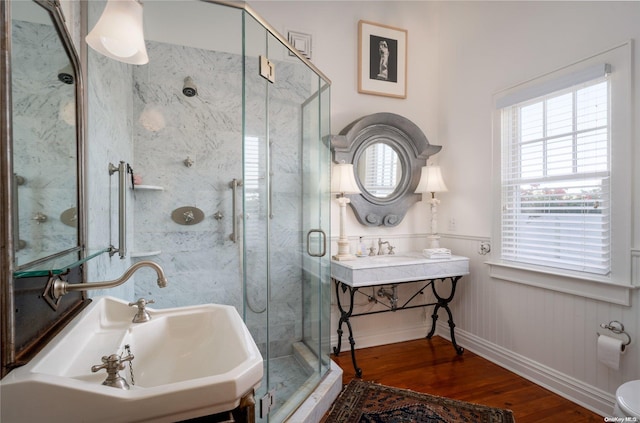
x: 401, y: 267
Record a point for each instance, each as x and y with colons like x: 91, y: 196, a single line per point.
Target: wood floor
x: 432, y: 366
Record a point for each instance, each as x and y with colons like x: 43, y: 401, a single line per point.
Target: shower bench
x: 378, y: 271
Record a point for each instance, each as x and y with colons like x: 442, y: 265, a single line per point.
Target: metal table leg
x: 344, y: 318
x: 444, y: 303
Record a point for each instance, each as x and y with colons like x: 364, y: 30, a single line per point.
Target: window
x: 381, y: 173
x: 562, y: 173
x: 556, y: 181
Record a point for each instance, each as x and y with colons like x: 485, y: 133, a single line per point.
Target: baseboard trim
x: 588, y: 396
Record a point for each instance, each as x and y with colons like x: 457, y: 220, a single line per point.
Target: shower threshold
x: 293, y: 377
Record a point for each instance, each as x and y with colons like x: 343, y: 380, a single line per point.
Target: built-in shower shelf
x: 139, y: 254
x: 149, y: 188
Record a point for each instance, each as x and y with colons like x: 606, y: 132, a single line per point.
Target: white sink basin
x: 189, y: 362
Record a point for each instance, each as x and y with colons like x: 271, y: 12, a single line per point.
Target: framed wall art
x: 382, y: 60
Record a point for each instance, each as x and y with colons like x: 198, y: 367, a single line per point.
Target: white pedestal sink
x: 189, y: 362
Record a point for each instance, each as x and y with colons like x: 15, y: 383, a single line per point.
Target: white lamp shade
x: 343, y: 180
x: 431, y: 180
x: 119, y: 33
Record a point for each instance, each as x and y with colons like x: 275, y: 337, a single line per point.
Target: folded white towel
x: 436, y: 251
x: 433, y: 253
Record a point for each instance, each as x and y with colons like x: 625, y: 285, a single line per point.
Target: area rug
x: 367, y: 402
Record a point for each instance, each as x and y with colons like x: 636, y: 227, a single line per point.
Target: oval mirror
x: 387, y: 152
x: 379, y: 170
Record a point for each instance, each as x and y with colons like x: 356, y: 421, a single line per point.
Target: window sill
x: 600, y: 289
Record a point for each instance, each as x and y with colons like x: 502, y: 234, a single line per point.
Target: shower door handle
x: 324, y: 243
x: 234, y: 184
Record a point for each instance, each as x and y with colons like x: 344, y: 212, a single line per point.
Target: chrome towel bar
x: 123, y: 169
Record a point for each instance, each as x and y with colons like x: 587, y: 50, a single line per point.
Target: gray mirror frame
x: 413, y: 150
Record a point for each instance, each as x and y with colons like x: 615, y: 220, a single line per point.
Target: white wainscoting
x: 564, y: 385
x: 546, y: 336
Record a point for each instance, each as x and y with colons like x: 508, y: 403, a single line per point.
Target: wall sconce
x: 343, y: 182
x: 431, y: 182
x: 119, y: 33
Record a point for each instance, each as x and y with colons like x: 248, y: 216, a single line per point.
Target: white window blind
x: 556, y: 178
x: 254, y: 198
x: 381, y: 171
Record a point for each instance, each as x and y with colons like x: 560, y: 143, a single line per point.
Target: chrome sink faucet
x: 57, y: 287
x: 380, y: 244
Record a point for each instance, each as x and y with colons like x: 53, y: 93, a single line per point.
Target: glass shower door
x: 286, y: 221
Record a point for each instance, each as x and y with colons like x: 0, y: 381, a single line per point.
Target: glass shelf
x: 57, y: 265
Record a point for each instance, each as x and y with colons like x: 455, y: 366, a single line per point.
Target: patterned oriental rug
x: 366, y: 402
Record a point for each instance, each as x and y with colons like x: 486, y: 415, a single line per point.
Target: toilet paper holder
x: 617, y: 328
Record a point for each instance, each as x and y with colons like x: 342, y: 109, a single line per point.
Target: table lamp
x: 431, y: 182
x: 343, y: 182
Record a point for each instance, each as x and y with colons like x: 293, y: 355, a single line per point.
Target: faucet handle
x: 141, y: 303
x: 107, y: 362
x: 142, y: 315
x: 113, y: 364
x: 390, y: 248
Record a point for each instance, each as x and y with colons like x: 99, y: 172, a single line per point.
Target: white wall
x: 460, y: 54
x: 486, y: 47
x: 334, y: 26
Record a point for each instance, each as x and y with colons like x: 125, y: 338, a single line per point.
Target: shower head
x: 66, y: 75
x: 189, y: 89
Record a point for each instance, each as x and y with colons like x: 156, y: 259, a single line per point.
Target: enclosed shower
x: 229, y: 146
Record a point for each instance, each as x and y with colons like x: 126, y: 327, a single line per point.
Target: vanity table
x: 376, y: 271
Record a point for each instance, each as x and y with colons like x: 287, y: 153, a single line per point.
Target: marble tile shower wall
x: 109, y: 140
x: 202, y: 263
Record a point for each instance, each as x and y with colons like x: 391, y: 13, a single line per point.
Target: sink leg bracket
x: 442, y: 301
x: 246, y: 411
